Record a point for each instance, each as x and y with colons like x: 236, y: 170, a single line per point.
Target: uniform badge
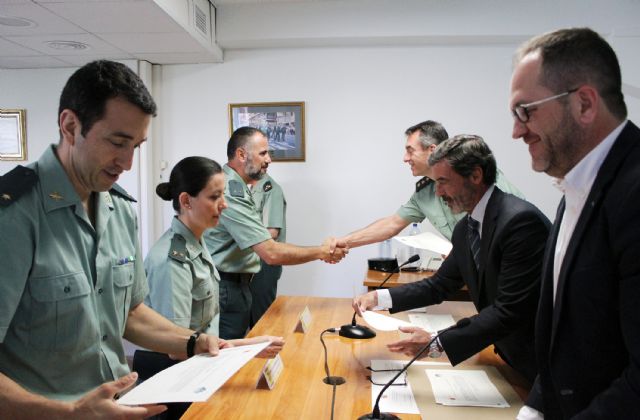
x: 56, y: 196
x: 267, y: 186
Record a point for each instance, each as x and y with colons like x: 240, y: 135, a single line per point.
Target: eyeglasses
x: 521, y: 112
x: 403, y: 377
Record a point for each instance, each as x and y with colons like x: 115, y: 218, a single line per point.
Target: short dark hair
x: 190, y: 175
x: 239, y: 139
x: 91, y: 86
x: 577, y: 56
x: 431, y: 132
x: 464, y: 153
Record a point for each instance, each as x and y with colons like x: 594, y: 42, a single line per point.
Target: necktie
x: 474, y: 240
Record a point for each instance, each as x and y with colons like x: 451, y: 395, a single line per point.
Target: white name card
x: 270, y: 373
x: 304, y: 321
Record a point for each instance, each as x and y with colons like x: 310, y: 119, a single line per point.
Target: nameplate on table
x: 270, y: 373
x: 304, y: 321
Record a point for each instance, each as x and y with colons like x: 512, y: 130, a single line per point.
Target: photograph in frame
x: 13, y: 134
x: 282, y: 122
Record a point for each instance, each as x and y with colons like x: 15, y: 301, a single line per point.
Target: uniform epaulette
x: 267, y: 186
x: 15, y: 183
x: 236, y: 189
x: 422, y: 183
x: 178, y: 248
x: 122, y: 193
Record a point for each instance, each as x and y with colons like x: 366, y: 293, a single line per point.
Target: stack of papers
x: 465, y: 388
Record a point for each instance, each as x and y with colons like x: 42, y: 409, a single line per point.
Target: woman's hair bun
x: 163, y: 190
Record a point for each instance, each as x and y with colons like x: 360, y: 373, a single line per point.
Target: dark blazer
x: 505, y: 291
x: 588, y: 345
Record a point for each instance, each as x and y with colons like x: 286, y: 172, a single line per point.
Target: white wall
x: 358, y: 103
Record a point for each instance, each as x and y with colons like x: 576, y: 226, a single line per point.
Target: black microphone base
x: 334, y: 380
x: 380, y: 417
x: 356, y: 331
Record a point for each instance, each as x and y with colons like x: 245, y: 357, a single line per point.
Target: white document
x: 427, y: 240
x: 465, y: 388
x: 397, y: 398
x: 431, y: 322
x: 195, y: 379
x: 383, y: 322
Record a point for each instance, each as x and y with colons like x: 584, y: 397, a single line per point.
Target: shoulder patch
x: 15, y: 183
x: 267, y: 186
x: 422, y: 183
x: 236, y: 189
x: 178, y: 248
x: 122, y: 193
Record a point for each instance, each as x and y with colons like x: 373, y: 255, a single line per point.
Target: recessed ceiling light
x: 16, y: 22
x: 67, y: 45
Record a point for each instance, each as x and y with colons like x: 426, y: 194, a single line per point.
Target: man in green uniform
x: 422, y: 139
x: 72, y: 284
x: 272, y: 206
x: 240, y: 240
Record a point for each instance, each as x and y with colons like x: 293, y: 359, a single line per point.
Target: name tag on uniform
x: 304, y: 321
x: 270, y: 373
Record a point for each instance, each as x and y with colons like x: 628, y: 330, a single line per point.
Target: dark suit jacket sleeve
x: 428, y: 291
x: 521, y: 245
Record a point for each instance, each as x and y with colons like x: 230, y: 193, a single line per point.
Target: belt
x: 236, y: 277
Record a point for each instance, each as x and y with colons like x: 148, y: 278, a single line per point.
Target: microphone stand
x: 356, y: 331
x: 376, y: 414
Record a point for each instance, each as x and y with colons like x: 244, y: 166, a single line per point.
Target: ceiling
x: 69, y: 33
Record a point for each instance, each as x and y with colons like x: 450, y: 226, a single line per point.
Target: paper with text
x: 465, y: 388
x: 194, y: 379
x: 432, y: 322
x: 398, y: 398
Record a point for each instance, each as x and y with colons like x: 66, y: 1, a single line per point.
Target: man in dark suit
x: 569, y: 109
x: 497, y: 252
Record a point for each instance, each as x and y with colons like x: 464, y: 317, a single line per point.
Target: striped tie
x: 474, y: 240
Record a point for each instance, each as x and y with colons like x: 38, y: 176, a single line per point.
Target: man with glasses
x: 569, y: 109
x: 422, y: 139
x: 497, y: 253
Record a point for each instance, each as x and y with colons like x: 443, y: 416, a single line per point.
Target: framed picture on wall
x: 13, y: 134
x: 282, y: 122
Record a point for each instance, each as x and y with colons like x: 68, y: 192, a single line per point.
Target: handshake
x: 334, y: 250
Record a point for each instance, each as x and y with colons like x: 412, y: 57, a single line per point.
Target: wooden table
x: 300, y: 392
x: 374, y: 278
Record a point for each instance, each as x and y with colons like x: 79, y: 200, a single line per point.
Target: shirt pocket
x: 62, y: 315
x: 122, y: 276
x: 204, y: 305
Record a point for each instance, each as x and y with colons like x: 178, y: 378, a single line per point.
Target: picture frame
x: 282, y: 122
x: 13, y: 134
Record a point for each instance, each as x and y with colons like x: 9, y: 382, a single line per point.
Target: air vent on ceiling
x: 200, y: 20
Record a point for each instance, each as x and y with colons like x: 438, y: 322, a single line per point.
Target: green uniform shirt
x: 271, y: 204
x: 238, y: 230
x: 66, y: 288
x: 183, y: 281
x: 425, y: 204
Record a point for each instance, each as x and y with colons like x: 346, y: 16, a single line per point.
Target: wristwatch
x: 435, y: 349
x: 191, y: 344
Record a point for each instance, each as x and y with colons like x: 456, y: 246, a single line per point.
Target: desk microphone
x: 375, y: 414
x: 356, y: 331
x: 409, y: 261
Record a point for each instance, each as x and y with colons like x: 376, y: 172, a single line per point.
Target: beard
x: 563, y: 147
x: 254, y: 172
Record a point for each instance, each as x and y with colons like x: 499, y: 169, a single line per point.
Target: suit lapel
x: 546, y: 312
x: 607, y: 173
